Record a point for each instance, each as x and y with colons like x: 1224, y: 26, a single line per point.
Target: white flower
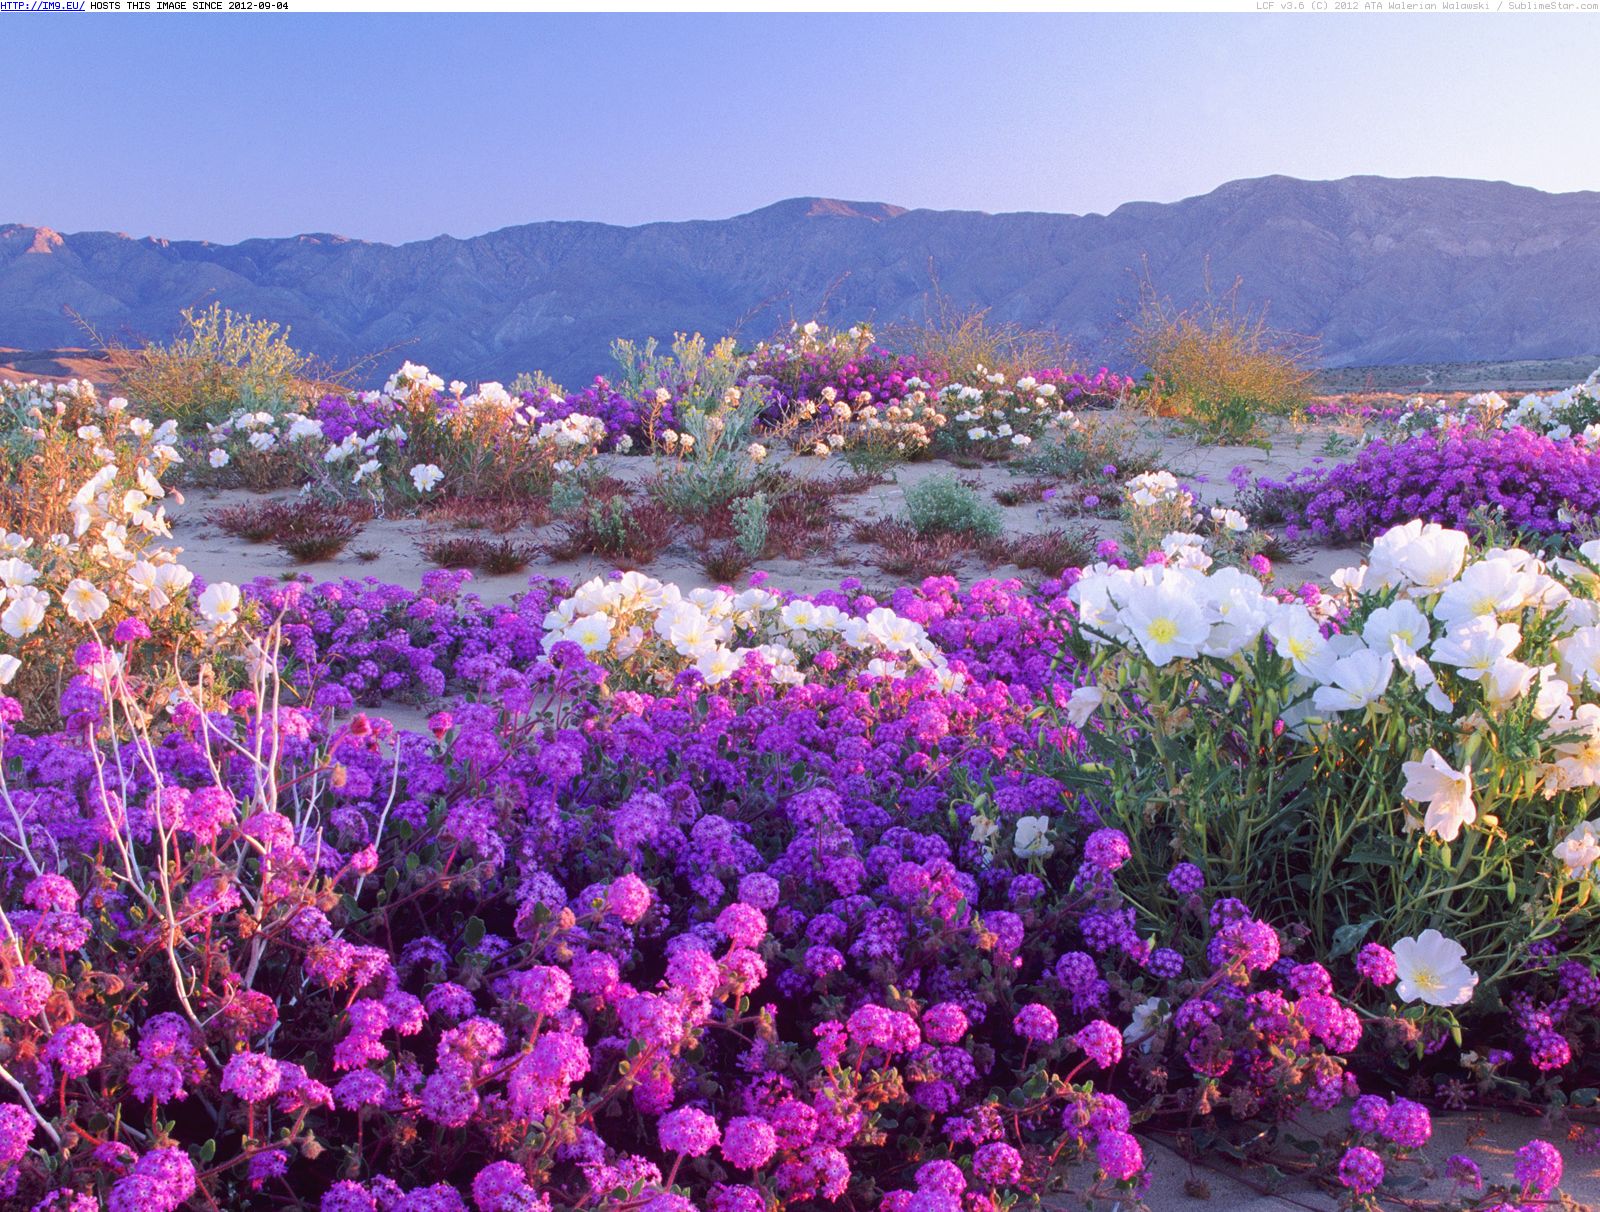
x: 426, y: 477
x: 364, y: 470
x: 1484, y: 590
x: 1032, y: 839
x: 1085, y: 701
x: 800, y: 615
x: 758, y: 452
x: 1447, y: 792
x: 83, y: 601
x: 25, y: 615
x: 717, y: 665
x: 1506, y: 681
x: 1230, y: 519
x: 1401, y: 624
x: 1476, y: 647
x: 1350, y: 579
x: 1146, y: 1017
x: 1167, y: 621
x: 1355, y: 681
x: 8, y: 668
x: 686, y: 627
x: 17, y: 572
x: 592, y: 632
x: 218, y: 457
x: 1432, y: 970
x: 1580, y: 849
x: 219, y: 604
x: 1579, y: 761
x: 1428, y: 556
x: 983, y: 829
x: 1297, y: 638
x: 1580, y: 656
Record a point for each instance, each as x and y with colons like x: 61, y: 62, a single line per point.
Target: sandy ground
x: 387, y: 550
x: 1493, y: 1140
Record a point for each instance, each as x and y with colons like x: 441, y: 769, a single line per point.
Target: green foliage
x: 944, y: 505
x: 706, y: 460
x: 1083, y: 452
x: 608, y: 523
x: 750, y: 523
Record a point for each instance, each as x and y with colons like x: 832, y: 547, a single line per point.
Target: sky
x: 399, y: 127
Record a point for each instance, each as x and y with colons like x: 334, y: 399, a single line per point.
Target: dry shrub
x: 308, y: 531
x: 901, y: 552
x: 1216, y: 363
x: 954, y: 341
x: 803, y: 515
x: 498, y: 557
x: 619, y: 526
x: 499, y: 516
x: 1023, y: 492
x: 41, y: 476
x: 724, y: 562
x: 222, y: 363
x: 1050, y: 552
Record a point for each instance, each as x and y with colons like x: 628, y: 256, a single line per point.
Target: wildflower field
x: 966, y: 881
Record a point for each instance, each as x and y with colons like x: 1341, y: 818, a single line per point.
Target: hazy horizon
x: 356, y: 237
x: 394, y: 128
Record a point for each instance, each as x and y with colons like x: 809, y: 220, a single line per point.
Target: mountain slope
x: 1424, y: 269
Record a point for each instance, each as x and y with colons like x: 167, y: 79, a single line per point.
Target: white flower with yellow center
x: 84, y: 603
x: 1166, y: 620
x: 1580, y: 850
x: 1426, y: 556
x: 15, y: 572
x: 1446, y: 791
x: 1432, y: 970
x: 25, y: 614
x: 717, y: 665
x: 1297, y: 638
x: 1399, y: 624
x: 1355, y: 681
x: 1476, y: 647
x: 592, y: 632
x: 799, y: 615
x: 219, y: 604
x: 1484, y: 590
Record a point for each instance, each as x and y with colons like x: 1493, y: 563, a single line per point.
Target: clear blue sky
x: 403, y: 127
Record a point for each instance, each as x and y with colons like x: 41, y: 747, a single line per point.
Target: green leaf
x: 474, y: 931
x: 1348, y: 937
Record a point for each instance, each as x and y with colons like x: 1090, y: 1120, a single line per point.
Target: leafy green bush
x: 944, y: 505
x: 750, y: 523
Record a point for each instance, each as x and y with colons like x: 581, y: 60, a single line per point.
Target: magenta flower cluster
x: 734, y: 949
x: 1523, y: 480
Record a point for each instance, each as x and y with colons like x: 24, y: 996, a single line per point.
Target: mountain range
x: 1381, y: 270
